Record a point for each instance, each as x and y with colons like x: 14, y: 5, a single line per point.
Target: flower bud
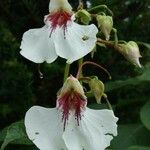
x: 84, y: 16
x: 97, y: 88
x: 105, y: 23
x: 131, y: 52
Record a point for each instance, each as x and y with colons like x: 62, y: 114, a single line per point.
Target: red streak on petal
x: 59, y: 18
x: 71, y: 101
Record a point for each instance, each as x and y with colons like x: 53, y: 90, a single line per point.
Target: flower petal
x: 44, y: 128
x: 105, y: 118
x: 76, y: 42
x: 72, y: 136
x: 37, y: 46
x: 95, y: 131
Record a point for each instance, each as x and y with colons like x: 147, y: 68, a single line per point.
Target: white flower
x: 60, y: 36
x: 71, y: 125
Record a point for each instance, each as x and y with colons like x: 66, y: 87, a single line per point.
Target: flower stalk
x: 94, y: 9
x: 80, y: 62
x: 66, y: 73
x: 94, y: 64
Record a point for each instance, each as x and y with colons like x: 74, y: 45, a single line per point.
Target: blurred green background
x: 21, y: 86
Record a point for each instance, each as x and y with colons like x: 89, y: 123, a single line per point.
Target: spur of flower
x: 71, y: 125
x: 60, y: 36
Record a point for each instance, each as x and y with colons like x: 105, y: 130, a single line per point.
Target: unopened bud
x: 131, y: 52
x: 84, y: 16
x: 97, y: 88
x: 105, y: 23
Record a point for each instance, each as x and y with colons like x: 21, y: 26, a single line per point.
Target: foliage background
x: 21, y: 86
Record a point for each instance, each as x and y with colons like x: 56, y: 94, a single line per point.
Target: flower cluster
x: 71, y: 125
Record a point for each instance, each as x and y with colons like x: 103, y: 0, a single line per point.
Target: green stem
x: 80, y: 6
x: 97, y: 8
x: 91, y: 63
x: 66, y: 73
x: 115, y: 36
x: 80, y: 62
x: 109, y: 105
x: 122, y: 42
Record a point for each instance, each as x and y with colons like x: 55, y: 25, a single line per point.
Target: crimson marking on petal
x: 71, y: 101
x: 59, y: 18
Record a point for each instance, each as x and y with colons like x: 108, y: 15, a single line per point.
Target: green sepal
x: 84, y: 16
x: 97, y: 88
x: 105, y: 23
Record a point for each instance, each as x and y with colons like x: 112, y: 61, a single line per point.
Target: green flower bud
x: 97, y: 88
x: 105, y: 23
x: 84, y: 16
x: 131, y: 52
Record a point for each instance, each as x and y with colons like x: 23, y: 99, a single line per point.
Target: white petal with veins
x: 37, y: 46
x: 44, y: 128
x: 95, y: 131
x: 76, y: 42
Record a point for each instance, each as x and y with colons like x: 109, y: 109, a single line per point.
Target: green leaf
x: 3, y: 134
x: 145, y: 77
x: 15, y: 133
x: 145, y: 115
x: 138, y: 148
x: 131, y: 134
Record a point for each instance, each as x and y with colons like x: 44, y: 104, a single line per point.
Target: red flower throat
x: 71, y: 101
x: 59, y: 18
